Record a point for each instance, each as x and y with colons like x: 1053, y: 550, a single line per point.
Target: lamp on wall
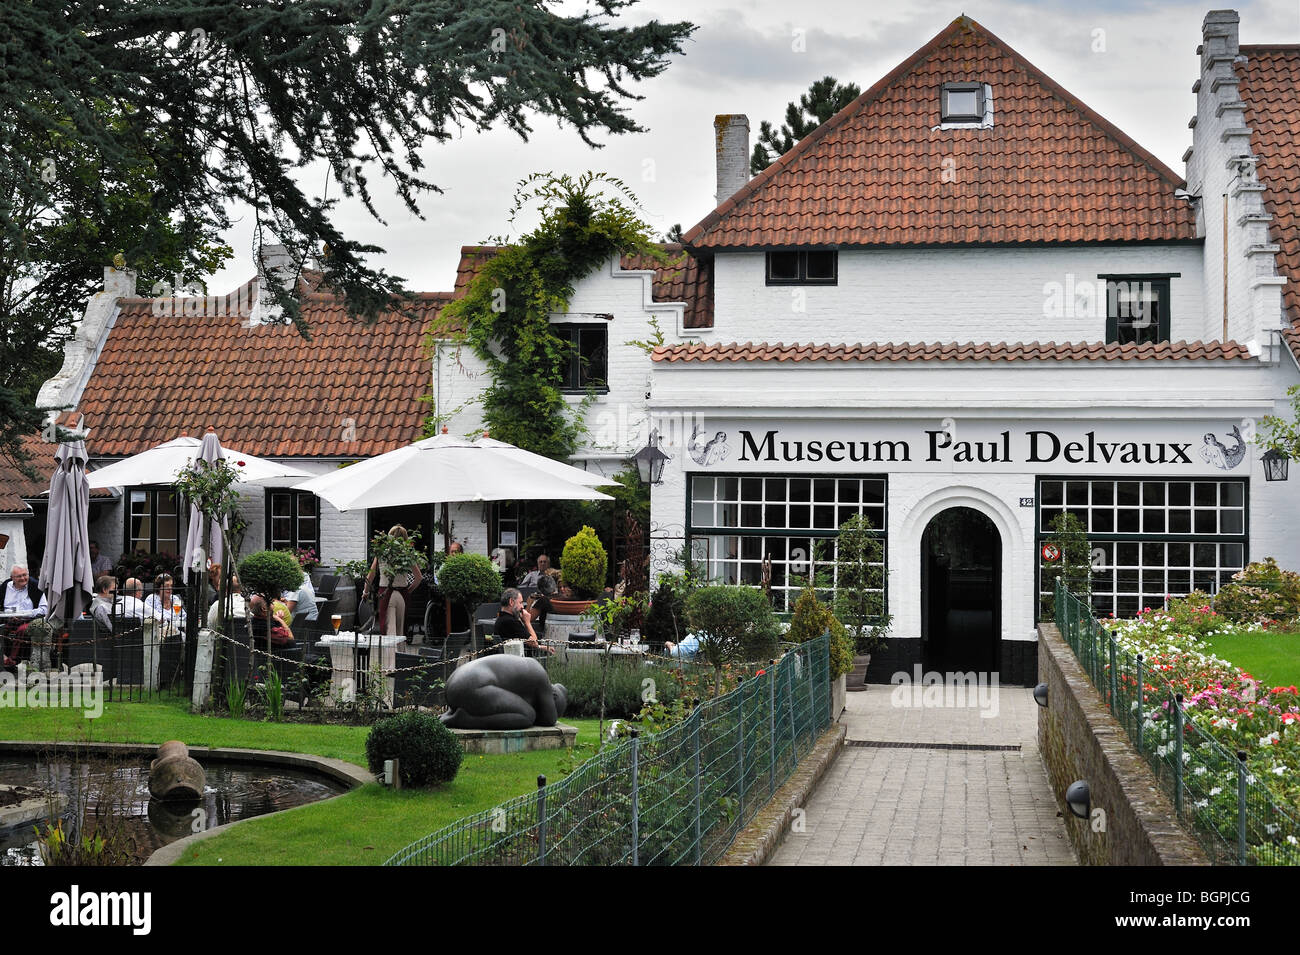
x: 650, y: 461
x: 1079, y: 799
x: 1275, y: 464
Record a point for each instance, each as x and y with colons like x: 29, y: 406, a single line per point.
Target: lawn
x: 363, y: 827
x: 1272, y: 658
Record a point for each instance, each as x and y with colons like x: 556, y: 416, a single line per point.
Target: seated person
x: 101, y: 607
x: 130, y: 601
x: 100, y: 564
x: 238, y: 606
x: 19, y: 594
x: 513, y: 624
x: 281, y: 635
x: 541, y: 577
x: 165, y: 607
x: 685, y: 650
x: 303, y: 599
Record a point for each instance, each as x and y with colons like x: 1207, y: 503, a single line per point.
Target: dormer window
x: 962, y: 103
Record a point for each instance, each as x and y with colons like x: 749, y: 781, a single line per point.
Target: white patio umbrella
x: 209, y: 453
x: 66, y: 575
x: 557, y: 468
x: 446, y: 469
x: 164, y: 463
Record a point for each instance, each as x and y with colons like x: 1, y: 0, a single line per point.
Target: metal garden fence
x: 1236, y: 819
x: 677, y: 797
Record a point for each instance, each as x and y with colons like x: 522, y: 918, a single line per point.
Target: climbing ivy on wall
x: 503, y: 316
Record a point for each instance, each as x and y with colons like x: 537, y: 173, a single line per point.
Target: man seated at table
x: 513, y: 624
x: 130, y: 600
x: 541, y: 577
x: 101, y: 607
x: 302, y: 599
x: 100, y: 564
x: 281, y: 635
x: 20, y: 595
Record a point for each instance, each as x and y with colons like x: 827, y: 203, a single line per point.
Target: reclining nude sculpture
x: 503, y: 693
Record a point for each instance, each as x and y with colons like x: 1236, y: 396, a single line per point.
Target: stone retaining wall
x: 1079, y: 739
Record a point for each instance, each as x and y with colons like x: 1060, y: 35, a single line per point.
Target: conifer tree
x: 824, y: 99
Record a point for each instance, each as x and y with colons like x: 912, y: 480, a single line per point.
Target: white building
x: 964, y: 304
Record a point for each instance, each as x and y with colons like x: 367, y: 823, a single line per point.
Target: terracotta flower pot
x: 574, y: 607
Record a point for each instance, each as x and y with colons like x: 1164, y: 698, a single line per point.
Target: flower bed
x: 1225, y: 704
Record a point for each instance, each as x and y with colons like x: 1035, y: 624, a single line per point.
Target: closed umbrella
x: 164, y: 463
x: 209, y: 453
x: 66, y: 574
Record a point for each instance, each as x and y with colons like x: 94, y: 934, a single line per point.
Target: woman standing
x: 395, y: 585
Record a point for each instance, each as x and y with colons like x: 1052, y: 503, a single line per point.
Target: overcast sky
x: 743, y: 59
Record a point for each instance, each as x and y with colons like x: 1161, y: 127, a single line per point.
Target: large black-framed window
x: 588, y: 363
x: 803, y: 267
x: 1137, y: 310
x: 153, y: 521
x: 736, y: 521
x: 292, y: 520
x: 1152, y: 538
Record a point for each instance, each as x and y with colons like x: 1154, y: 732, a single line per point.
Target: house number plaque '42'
x: 1026, y: 502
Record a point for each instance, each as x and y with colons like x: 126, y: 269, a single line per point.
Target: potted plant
x: 859, y: 593
x: 583, y: 568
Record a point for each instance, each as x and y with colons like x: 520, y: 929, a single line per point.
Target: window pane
x: 820, y: 266
x: 783, y: 266
x: 592, y: 352
x: 961, y: 103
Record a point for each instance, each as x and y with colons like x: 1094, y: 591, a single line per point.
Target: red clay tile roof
x: 1050, y: 169
x: 684, y: 279
x: 970, y: 351
x: 1270, y: 87
x: 265, y: 389
x: 14, y: 486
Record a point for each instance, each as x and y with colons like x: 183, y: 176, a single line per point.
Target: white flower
x: 1279, y: 770
x: 1216, y: 790
x: 1202, y: 803
x: 1271, y: 829
x: 1292, y: 840
x: 1199, y: 770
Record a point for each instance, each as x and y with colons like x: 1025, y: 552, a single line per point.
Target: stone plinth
x: 496, y: 742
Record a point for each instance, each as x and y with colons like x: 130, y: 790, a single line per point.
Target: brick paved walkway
x: 917, y: 806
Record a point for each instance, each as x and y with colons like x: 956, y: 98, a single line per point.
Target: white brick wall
x: 14, y: 552
x: 949, y: 295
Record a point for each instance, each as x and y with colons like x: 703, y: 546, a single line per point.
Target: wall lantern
x: 1079, y: 798
x: 1275, y: 464
x: 1040, y: 694
x: 650, y: 461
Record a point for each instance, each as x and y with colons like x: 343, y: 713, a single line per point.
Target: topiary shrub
x: 735, y: 624
x: 428, y: 752
x: 468, y: 580
x: 842, y: 649
x: 270, y: 573
x: 584, y: 564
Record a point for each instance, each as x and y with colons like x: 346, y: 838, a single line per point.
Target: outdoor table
x: 350, y: 672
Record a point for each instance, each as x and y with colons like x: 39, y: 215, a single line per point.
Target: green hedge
x: 623, y: 690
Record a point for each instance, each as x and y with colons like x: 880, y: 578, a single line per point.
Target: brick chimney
x: 731, y: 140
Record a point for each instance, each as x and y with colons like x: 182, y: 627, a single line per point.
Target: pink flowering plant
x: 1224, y: 705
